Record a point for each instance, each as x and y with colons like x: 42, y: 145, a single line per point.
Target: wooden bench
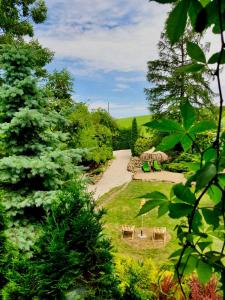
x: 159, y: 234
x: 128, y: 231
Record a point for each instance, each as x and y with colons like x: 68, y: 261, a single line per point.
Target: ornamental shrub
x: 72, y: 254
x: 134, y: 135
x: 136, y: 279
x: 141, y: 145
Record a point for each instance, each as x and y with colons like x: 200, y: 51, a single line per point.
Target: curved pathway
x: 114, y: 176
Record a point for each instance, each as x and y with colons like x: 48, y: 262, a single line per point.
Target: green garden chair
x: 156, y: 166
x: 145, y: 167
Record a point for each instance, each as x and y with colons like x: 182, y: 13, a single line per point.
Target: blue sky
x: 105, y: 45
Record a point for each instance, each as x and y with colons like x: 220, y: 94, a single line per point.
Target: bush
x: 184, y: 163
x: 142, y: 145
x: 202, y: 292
x: 121, y: 140
x: 136, y: 278
x: 176, y: 167
x: 71, y: 254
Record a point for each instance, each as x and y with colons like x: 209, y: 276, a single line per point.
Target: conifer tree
x: 3, y: 249
x: 35, y: 162
x: 170, y: 88
x: 134, y: 135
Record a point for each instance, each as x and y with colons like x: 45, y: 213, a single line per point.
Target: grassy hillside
x: 125, y: 123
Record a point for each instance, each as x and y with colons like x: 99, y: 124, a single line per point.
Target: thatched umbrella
x: 151, y: 155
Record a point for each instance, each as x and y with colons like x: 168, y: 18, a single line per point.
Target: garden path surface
x: 115, y: 175
x: 164, y: 176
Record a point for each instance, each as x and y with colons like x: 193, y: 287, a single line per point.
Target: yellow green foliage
x: 135, y: 277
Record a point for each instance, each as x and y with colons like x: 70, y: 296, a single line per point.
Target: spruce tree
x: 35, y: 162
x: 170, y: 88
x: 134, y: 135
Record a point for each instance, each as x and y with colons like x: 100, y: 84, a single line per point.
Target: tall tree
x: 134, y: 135
x: 18, y: 16
x: 171, y: 88
x: 35, y: 161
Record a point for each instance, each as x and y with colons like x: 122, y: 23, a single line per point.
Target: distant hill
x: 125, y: 123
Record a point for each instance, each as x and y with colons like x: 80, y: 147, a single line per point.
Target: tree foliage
x: 18, y: 17
x: 35, y: 161
x: 71, y: 254
x: 200, y: 231
x: 93, y: 131
x: 170, y: 87
x: 134, y: 135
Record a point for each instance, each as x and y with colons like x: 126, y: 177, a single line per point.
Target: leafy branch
x: 204, y: 222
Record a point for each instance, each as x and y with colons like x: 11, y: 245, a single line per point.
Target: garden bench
x: 159, y: 234
x: 128, y: 231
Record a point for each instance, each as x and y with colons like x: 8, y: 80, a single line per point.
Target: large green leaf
x: 221, y: 178
x: 197, y: 222
x: 204, y: 175
x: 215, y: 58
x: 210, y: 155
x: 194, y: 10
x: 178, y: 210
x: 186, y: 143
x: 163, y: 209
x: 190, y: 68
x: 156, y: 199
x: 204, y: 245
x: 184, y: 193
x: 201, y: 21
x: 169, y: 142
x: 149, y: 205
x: 215, y: 194
x: 204, y: 272
x: 155, y: 196
x: 203, y: 126
x: 177, y: 20
x: 195, y: 52
x: 190, y: 264
x: 211, y: 217
x: 188, y: 114
x: 165, y: 125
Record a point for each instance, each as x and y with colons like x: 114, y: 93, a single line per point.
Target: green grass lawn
x: 125, y: 123
x: 123, y: 208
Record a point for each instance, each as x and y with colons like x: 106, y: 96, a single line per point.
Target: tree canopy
x: 171, y: 88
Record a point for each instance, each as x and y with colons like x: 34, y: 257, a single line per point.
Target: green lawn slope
x: 125, y: 123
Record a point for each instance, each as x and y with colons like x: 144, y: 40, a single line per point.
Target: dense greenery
x: 4, y: 249
x: 134, y: 136
x: 36, y: 161
x: 201, y: 236
x: 71, y: 254
x: 18, y: 17
x: 170, y: 88
x: 93, y: 131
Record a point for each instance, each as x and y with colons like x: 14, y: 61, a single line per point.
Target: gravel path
x: 114, y: 176
x: 164, y: 176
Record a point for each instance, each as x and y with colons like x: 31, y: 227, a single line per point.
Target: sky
x: 105, y: 45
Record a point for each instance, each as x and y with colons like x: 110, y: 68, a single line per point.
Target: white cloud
x: 83, y: 30
x: 131, y: 79
x: 120, y: 110
x: 120, y: 87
